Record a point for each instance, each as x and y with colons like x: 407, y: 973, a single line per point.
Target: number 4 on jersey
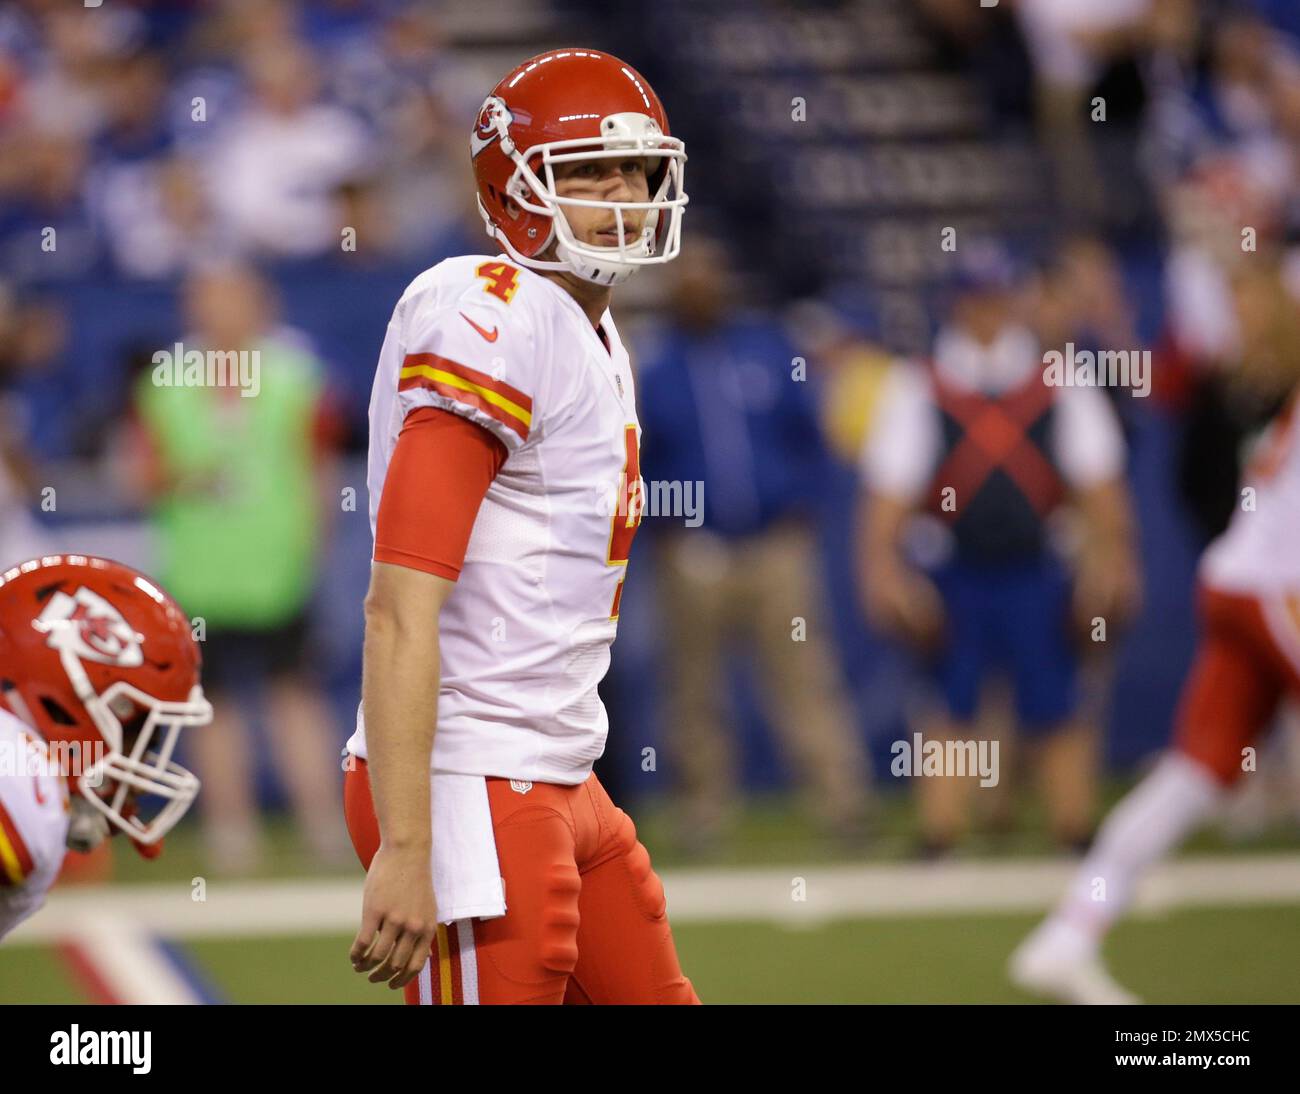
x: 501, y: 279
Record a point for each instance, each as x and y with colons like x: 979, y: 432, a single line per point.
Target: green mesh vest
x: 237, y: 539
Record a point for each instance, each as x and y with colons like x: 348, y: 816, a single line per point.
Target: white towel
x: 467, y: 882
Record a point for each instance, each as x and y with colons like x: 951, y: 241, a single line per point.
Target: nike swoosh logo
x: 489, y: 335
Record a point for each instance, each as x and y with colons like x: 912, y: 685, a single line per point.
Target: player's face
x: 610, y: 179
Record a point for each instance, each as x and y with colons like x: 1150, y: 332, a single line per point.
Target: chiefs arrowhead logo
x: 89, y: 626
x: 493, y: 119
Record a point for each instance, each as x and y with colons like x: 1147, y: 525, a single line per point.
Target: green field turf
x: 1237, y: 955
x: 771, y: 828
x: 1202, y: 955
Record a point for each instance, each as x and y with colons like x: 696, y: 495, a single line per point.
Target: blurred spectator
x: 989, y: 44
x: 1238, y: 392
x: 981, y: 447
x: 1093, y: 86
x: 1083, y: 299
x: 721, y: 406
x: 1227, y: 220
x: 401, y: 79
x: 1244, y: 66
x: 46, y: 233
x: 134, y: 124
x: 238, y: 475
x: 842, y: 340
x: 30, y: 337
x: 158, y: 223
x: 64, y: 92
x: 275, y: 173
x: 237, y: 28
x: 149, y: 203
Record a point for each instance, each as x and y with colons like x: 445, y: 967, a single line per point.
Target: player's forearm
x: 883, y: 519
x: 399, y: 695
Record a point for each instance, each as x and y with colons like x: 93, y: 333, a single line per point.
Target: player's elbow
x: 386, y: 618
x: 404, y: 604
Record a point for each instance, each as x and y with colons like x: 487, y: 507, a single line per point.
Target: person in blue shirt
x: 728, y: 417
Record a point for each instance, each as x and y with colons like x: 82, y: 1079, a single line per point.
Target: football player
x: 1247, y: 662
x: 505, y: 490
x: 98, y: 675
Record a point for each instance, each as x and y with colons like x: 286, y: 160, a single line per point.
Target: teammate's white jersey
x: 1260, y: 550
x: 33, y: 823
x: 525, y: 635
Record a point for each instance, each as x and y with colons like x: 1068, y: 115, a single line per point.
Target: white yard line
x: 243, y: 908
x: 123, y: 953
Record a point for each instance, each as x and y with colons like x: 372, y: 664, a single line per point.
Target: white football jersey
x: 525, y: 635
x: 33, y: 823
x: 1260, y: 550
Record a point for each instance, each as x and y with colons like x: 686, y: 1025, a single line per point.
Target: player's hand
x: 1107, y: 588
x: 904, y: 602
x: 399, y: 917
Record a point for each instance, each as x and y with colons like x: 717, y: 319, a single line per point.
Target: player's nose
x: 615, y: 185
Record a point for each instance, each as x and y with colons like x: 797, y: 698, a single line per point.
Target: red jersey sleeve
x: 439, y: 473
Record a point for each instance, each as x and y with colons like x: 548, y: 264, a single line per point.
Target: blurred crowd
x: 195, y: 165
x: 155, y: 137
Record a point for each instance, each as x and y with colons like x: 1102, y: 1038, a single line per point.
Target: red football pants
x: 1248, y: 658
x: 586, y: 920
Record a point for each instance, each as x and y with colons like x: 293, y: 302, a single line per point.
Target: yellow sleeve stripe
x: 498, y: 400
x: 452, y: 380
x: 9, y: 864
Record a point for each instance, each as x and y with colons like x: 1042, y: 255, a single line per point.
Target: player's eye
x: 634, y: 167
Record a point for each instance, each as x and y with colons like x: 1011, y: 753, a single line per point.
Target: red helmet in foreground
x: 100, y: 660
x: 575, y: 104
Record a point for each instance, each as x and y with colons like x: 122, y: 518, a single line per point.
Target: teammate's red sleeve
x: 441, y: 469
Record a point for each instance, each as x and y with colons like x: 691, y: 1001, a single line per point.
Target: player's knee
x: 1222, y: 765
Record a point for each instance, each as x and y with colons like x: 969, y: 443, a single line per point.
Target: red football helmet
x: 575, y: 104
x: 94, y: 655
